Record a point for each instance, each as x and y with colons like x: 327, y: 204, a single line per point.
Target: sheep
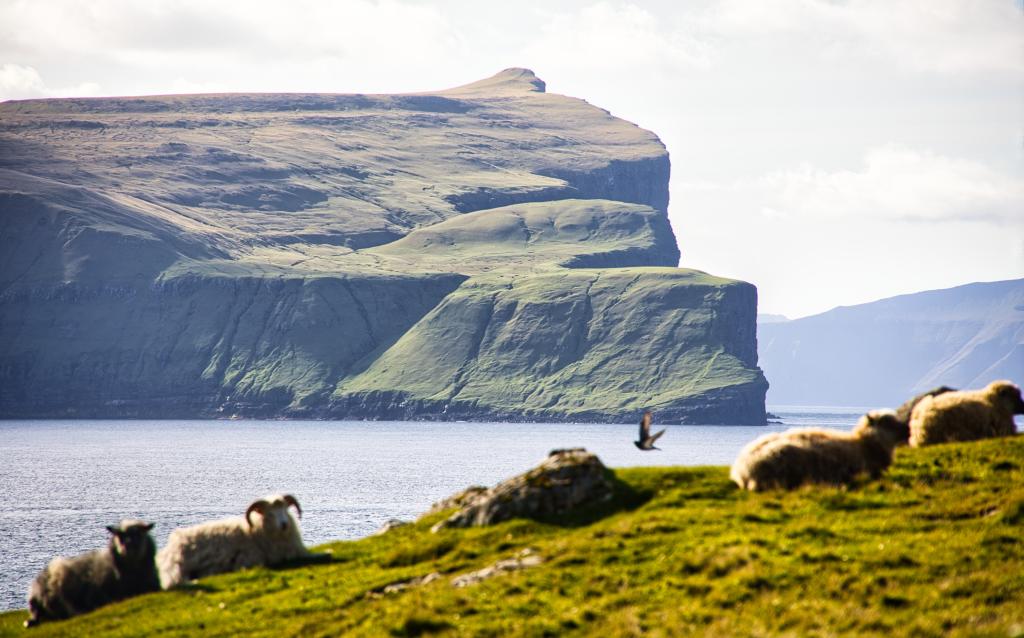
x: 904, y: 411
x: 71, y: 586
x: 810, y: 455
x: 230, y: 544
x: 967, y: 415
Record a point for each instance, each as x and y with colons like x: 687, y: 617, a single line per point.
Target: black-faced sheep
x: 967, y: 415
x: 904, y: 411
x: 72, y: 586
x: 266, y: 535
x: 794, y: 457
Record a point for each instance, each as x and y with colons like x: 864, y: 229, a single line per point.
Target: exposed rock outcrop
x: 457, y: 500
x: 523, y: 560
x: 565, y: 482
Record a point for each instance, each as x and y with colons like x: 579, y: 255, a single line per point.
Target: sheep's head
x: 1008, y: 394
x: 131, y: 539
x: 884, y: 424
x: 274, y: 515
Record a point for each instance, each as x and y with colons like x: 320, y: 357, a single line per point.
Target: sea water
x: 63, y: 481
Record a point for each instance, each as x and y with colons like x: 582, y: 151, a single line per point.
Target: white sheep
x: 810, y: 455
x: 266, y: 535
x: 966, y: 415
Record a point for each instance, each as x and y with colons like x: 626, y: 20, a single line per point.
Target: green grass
x: 573, y: 341
x: 934, y: 548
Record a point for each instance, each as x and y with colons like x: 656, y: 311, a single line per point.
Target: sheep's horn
x: 291, y: 500
x: 257, y: 506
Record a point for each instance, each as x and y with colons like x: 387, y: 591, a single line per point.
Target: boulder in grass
x: 566, y: 481
x: 523, y: 560
x: 457, y: 500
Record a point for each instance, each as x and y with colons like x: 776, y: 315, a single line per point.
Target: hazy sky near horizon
x: 830, y: 152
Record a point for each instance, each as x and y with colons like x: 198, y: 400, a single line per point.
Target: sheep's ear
x: 113, y: 529
x: 148, y: 527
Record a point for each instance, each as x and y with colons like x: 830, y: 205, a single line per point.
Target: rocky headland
x: 489, y: 252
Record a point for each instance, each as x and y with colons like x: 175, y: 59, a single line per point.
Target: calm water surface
x: 65, y: 480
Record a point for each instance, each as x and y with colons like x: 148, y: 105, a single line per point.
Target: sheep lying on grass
x: 72, y: 586
x: 966, y: 415
x: 266, y: 535
x: 904, y: 411
x: 792, y: 458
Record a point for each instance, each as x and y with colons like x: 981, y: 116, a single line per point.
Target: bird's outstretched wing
x: 645, y: 426
x: 655, y: 437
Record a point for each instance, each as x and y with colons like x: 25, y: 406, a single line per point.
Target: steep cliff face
x: 491, y: 251
x: 200, y: 345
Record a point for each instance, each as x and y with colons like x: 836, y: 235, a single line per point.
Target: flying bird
x: 646, y: 442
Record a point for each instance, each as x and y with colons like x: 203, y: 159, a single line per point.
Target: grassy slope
x: 934, y: 548
x: 569, y: 340
x: 286, y: 169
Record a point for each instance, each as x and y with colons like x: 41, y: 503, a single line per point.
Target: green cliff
x: 487, y: 252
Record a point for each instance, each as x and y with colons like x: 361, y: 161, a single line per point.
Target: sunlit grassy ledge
x: 934, y: 548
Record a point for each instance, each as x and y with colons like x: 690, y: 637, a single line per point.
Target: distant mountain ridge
x: 880, y: 353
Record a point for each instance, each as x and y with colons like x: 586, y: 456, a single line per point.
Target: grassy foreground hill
x: 934, y: 548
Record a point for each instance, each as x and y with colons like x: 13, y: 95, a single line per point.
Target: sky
x: 832, y: 152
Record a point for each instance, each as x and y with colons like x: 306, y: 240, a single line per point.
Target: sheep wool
x: 967, y: 415
x: 266, y: 535
x: 71, y: 586
x: 811, y: 455
x: 904, y: 411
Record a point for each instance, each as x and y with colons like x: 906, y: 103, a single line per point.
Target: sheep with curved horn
x: 266, y: 535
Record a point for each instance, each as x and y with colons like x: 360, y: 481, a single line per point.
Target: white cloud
x: 242, y: 44
x: 616, y: 36
x: 898, y: 183
x: 956, y: 36
x: 895, y: 184
x: 944, y: 35
x: 18, y: 82
x: 307, y: 26
x: 822, y: 251
x: 23, y: 82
